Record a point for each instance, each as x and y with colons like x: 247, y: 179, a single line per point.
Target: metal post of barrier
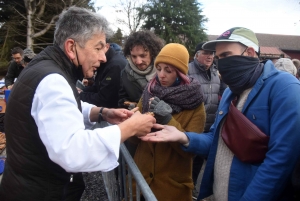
x: 127, y: 171
x: 140, y: 181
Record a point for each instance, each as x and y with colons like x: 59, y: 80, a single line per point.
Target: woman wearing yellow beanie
x: 175, y: 99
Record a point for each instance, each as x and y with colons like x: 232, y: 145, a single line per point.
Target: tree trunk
x: 29, y: 34
x: 3, y: 47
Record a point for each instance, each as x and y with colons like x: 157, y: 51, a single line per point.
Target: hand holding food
x: 143, y: 123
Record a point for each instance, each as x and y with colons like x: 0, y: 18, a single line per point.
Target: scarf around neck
x: 181, y: 97
x: 141, y: 77
x: 148, y: 72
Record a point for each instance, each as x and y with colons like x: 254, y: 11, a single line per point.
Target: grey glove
x: 161, y: 110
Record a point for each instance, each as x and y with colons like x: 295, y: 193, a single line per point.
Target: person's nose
x: 102, y: 57
x: 161, y: 74
x: 138, y: 60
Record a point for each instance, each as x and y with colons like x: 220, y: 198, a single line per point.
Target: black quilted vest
x: 29, y: 173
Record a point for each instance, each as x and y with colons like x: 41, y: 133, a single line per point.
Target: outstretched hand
x: 166, y: 133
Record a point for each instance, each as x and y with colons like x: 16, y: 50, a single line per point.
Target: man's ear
x: 70, y: 48
x: 251, y: 52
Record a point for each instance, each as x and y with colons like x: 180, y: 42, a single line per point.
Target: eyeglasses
x: 244, y: 51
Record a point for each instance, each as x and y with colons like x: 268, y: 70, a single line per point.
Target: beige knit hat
x: 285, y: 64
x: 174, y: 54
x: 296, y: 62
x: 28, y: 54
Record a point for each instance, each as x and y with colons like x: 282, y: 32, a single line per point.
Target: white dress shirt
x: 62, y: 129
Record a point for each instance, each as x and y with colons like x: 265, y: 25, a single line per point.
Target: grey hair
x: 81, y: 25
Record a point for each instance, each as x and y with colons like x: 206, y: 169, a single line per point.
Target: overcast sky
x: 261, y: 16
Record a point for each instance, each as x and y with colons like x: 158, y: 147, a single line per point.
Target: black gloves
x: 161, y: 110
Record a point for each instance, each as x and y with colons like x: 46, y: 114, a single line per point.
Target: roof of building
x: 271, y: 52
x: 284, y: 42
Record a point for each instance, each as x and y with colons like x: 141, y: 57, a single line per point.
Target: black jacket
x: 105, y: 91
x: 29, y: 172
x: 130, y: 89
x: 13, y: 72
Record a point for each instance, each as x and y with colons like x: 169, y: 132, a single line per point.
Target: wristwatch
x: 100, y: 117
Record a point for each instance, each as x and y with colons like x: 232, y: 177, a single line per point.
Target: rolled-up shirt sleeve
x: 62, y: 129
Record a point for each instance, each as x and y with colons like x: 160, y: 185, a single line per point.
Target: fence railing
x: 119, y: 184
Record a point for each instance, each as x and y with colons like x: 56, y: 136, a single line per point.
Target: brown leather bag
x: 247, y: 142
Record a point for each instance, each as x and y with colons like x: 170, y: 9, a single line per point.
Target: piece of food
x: 127, y: 103
x: 150, y: 113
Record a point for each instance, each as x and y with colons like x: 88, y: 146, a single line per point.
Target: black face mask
x: 239, y: 72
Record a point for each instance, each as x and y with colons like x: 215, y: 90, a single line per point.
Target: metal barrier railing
x: 127, y: 171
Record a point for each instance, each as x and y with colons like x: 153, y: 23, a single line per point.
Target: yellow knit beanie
x: 174, y: 54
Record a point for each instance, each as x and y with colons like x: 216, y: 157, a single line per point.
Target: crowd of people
x: 225, y: 106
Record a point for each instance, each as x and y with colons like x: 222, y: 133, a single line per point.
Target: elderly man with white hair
x: 285, y: 64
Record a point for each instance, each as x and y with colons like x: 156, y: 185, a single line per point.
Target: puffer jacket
x: 210, y: 85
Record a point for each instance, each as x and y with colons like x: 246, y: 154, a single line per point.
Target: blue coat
x: 273, y: 105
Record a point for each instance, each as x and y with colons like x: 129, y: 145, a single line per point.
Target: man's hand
x: 143, y: 123
x: 116, y: 116
x: 166, y: 134
x: 113, y: 116
x: 138, y: 124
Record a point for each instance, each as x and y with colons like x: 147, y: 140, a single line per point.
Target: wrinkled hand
x: 161, y: 110
x: 166, y: 133
x: 142, y: 123
x: 116, y: 116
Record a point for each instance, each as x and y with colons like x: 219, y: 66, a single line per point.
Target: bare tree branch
x: 50, y: 24
x: 131, y: 17
x: 42, y: 5
x: 20, y: 13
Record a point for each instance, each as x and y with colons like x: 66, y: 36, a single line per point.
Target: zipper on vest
x: 71, y: 178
